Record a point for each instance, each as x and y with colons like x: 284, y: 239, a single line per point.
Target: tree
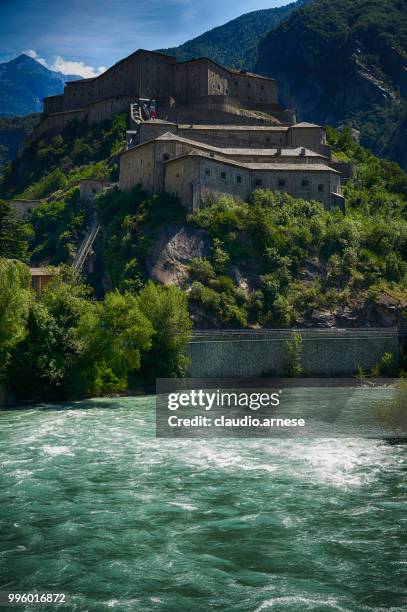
x: 14, y: 233
x: 167, y: 310
x: 110, y: 338
x: 49, y: 354
x: 15, y: 300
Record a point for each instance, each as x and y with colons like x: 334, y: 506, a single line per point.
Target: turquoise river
x: 93, y: 505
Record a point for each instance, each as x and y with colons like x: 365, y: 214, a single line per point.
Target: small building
x: 89, y: 188
x: 40, y: 277
x: 25, y: 208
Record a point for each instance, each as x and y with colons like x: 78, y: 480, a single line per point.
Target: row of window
x: 305, y: 183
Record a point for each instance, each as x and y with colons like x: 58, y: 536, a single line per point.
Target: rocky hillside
x: 24, y: 83
x: 273, y: 261
x: 343, y: 61
x: 12, y: 133
x: 235, y: 43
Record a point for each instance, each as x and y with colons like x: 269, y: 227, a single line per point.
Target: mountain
x: 235, y: 43
x: 24, y: 83
x: 12, y: 133
x: 343, y: 61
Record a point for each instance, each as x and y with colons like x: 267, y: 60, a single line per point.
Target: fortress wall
x: 235, y: 137
x: 311, y: 137
x: 108, y: 109
x: 180, y: 175
x: 190, y: 77
x: 318, y: 188
x: 137, y: 167
x: 54, y: 124
x: 53, y: 104
x: 144, y: 72
x: 151, y: 130
x: 324, y: 353
x: 77, y: 94
x: 248, y: 88
x: 216, y: 179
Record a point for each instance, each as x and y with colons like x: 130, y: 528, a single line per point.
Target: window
x: 261, y: 99
x: 248, y: 85
x: 259, y: 182
x: 281, y: 182
x: 248, y: 97
x: 236, y: 95
x: 177, y: 175
x: 207, y: 172
x: 218, y: 86
x: 94, y: 191
x: 262, y: 87
x: 267, y: 138
x: 321, y: 187
x: 305, y: 182
x: 166, y: 157
x: 238, y: 179
x: 223, y: 175
x: 235, y: 83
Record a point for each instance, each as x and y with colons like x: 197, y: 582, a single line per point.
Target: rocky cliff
x: 342, y: 61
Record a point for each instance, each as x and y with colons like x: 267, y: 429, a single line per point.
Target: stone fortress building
x: 216, y: 131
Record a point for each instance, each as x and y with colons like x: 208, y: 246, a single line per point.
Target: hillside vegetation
x: 273, y: 261
x: 343, y: 61
x: 12, y: 133
x: 235, y: 43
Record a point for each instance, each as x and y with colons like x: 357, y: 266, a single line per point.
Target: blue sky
x: 85, y: 36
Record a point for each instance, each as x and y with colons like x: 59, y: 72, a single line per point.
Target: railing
x: 223, y: 335
x: 85, y: 247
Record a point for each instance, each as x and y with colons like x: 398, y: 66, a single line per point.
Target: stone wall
x: 264, y: 352
x: 150, y: 75
x: 54, y: 124
x: 25, y: 208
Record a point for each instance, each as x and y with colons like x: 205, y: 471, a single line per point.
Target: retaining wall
x: 264, y: 352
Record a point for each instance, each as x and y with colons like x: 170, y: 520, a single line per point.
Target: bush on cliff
x: 48, y: 163
x: 301, y: 258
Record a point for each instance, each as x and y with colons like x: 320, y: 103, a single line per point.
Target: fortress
x: 214, y: 130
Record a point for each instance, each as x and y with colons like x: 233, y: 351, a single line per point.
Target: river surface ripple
x: 93, y: 505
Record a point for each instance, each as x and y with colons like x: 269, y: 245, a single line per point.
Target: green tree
x: 110, y: 338
x: 14, y: 233
x: 15, y: 300
x: 50, y: 353
x: 167, y: 310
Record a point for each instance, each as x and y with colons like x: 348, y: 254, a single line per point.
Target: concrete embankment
x: 328, y: 352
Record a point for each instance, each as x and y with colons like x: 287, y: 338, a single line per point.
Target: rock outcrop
x: 340, y: 60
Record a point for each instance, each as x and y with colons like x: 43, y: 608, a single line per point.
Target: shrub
x: 201, y: 269
x: 294, y: 350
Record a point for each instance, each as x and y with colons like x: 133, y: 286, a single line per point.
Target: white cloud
x: 67, y: 66
x: 80, y: 68
x: 34, y: 55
